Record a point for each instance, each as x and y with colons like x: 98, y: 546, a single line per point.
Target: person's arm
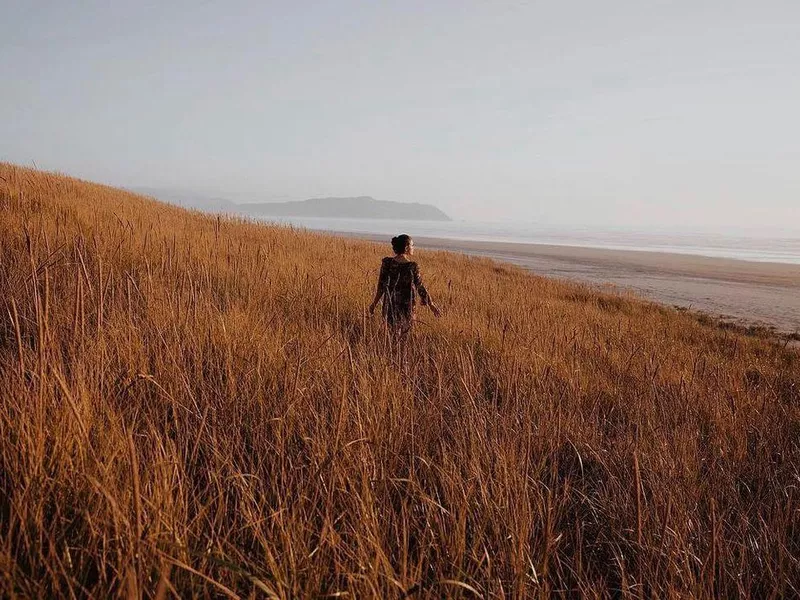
x: 423, y: 293
x: 381, y: 288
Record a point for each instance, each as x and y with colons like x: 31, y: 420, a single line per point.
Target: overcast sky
x: 632, y: 113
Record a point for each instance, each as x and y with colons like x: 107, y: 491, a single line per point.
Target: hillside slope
x: 200, y: 406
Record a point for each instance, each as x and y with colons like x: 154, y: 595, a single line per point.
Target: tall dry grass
x: 199, y: 406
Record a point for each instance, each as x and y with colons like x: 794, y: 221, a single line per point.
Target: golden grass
x: 199, y: 406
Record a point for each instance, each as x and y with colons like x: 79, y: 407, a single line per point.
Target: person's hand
x: 435, y: 310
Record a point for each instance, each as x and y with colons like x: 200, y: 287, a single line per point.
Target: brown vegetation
x: 200, y: 406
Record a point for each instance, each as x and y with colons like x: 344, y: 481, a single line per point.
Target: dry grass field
x: 194, y: 406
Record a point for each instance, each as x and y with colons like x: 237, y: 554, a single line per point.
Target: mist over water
x: 783, y: 247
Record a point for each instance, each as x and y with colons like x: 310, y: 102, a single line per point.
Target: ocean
x: 780, y: 247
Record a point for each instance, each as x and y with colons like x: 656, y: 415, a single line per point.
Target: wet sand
x: 749, y: 293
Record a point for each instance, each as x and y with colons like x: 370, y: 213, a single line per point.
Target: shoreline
x: 749, y: 293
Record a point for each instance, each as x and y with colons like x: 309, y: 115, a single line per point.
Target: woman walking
x: 398, y: 285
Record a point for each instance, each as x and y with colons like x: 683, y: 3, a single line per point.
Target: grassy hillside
x: 194, y: 406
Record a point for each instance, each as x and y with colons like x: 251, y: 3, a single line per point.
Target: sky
x: 629, y: 113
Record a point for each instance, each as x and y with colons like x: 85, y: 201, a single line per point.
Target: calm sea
x: 761, y: 247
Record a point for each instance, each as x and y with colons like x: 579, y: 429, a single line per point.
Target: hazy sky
x: 644, y: 113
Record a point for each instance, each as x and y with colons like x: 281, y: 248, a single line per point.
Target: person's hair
x: 400, y: 243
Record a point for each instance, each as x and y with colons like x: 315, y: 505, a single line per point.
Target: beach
x: 745, y: 292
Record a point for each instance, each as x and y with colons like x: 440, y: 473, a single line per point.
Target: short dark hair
x: 400, y: 243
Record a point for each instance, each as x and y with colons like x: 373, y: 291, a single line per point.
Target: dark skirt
x: 398, y: 318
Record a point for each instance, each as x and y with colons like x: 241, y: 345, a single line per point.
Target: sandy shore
x: 750, y: 293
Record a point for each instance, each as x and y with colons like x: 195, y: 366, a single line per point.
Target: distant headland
x: 359, y: 207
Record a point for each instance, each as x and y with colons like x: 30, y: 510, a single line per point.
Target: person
x: 399, y: 283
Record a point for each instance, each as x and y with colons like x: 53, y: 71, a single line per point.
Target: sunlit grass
x: 201, y: 406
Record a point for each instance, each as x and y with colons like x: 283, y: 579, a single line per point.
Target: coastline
x: 748, y: 293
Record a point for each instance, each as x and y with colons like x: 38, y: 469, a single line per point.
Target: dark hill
x: 361, y: 207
